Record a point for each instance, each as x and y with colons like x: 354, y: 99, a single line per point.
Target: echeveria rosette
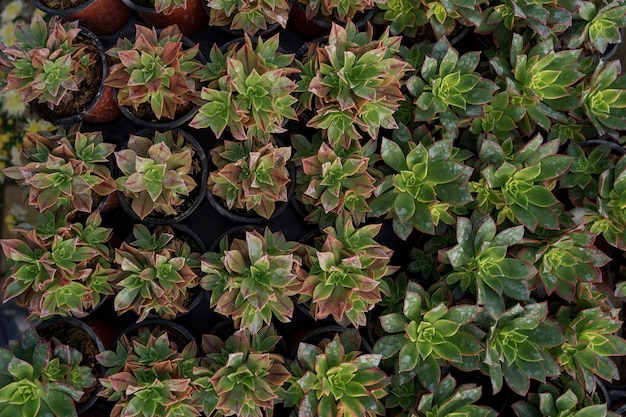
x: 427, y: 183
x: 518, y: 347
x: 428, y: 336
x: 251, y: 280
x: 565, y: 261
x: 250, y: 176
x: 500, y: 117
x: 555, y: 403
x: 481, y: 265
x: 66, y: 171
x: 335, y: 180
x: 603, y: 98
x: 448, y: 92
x: 336, y: 379
x: 539, y: 80
x: 250, y: 91
x: 251, y: 16
x: 148, y: 375
x: 582, y: 178
x: 156, y: 173
x: 596, y: 25
x: 518, y: 183
x: 47, y: 62
x: 155, y: 70
x: 65, y: 273
x: 404, y: 17
x: 352, y: 82
x: 590, y: 342
x: 157, y: 280
x: 241, y: 376
x: 450, y: 399
x: 40, y: 380
x: 344, y: 277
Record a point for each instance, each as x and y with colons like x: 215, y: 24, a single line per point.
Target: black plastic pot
x: 175, y: 331
x: 197, y: 194
x: 53, y: 330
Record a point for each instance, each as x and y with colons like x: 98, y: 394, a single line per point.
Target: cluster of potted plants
x: 453, y: 207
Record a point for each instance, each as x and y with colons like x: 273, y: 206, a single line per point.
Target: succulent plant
x: 352, y: 82
x: 404, y: 17
x: 343, y: 275
x: 603, y: 98
x: 158, y: 272
x: 156, y: 172
x: 168, y: 7
x: 48, y: 61
x: 448, y: 91
x: 250, y: 90
x: 250, y: 176
x: 156, y: 72
x: 518, y: 347
x: 582, y: 178
x: 336, y: 379
x: 38, y: 379
x: 64, y: 271
x: 450, y: 399
x: 539, y: 80
x: 251, y: 279
x: 427, y: 181
x: 500, y: 117
x: 481, y: 265
x: 429, y: 335
x: 341, y: 11
x: 518, y: 183
x: 148, y: 375
x: 67, y: 170
x: 596, y: 25
x: 335, y: 180
x: 241, y: 376
x: 589, y: 343
x: 251, y: 16
x: 550, y: 402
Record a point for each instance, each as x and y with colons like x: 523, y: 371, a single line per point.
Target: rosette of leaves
x: 59, y: 268
x: 64, y: 171
x: 168, y: 7
x: 251, y: 16
x: 448, y: 91
x: 148, y: 375
x: 426, y: 182
x: 336, y: 379
x: 241, y: 376
x: 566, y: 260
x: 518, y: 347
x: 550, y: 402
x: 481, y: 265
x: 539, y: 80
x: 39, y: 380
x: 352, y: 82
x: 156, y: 172
x: 404, y: 17
x: 500, y: 117
x: 343, y: 275
x: 596, y: 25
x: 47, y: 62
x: 517, y: 183
x: 251, y: 279
x: 582, y: 178
x: 250, y: 176
x: 540, y: 18
x: 590, y: 342
x: 603, y: 98
x: 429, y: 335
x: 157, y: 274
x: 607, y: 216
x: 250, y: 90
x: 450, y: 399
x: 156, y: 74
x: 335, y: 179
x: 340, y: 11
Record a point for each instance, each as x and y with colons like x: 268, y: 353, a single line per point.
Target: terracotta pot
x: 95, y: 15
x: 189, y: 20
